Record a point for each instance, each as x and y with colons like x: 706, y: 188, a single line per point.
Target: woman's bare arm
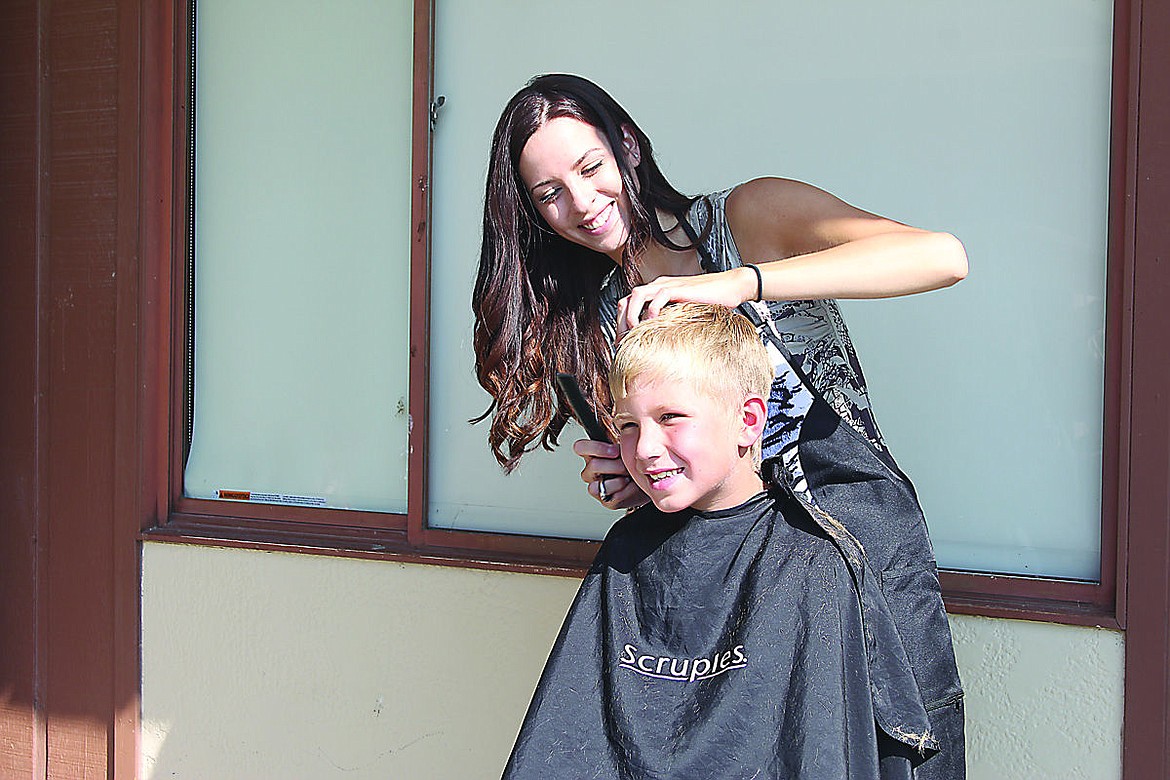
x: 809, y: 244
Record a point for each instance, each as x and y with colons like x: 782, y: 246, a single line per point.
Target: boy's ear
x: 755, y: 417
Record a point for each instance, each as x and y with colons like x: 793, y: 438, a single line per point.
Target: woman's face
x: 574, y: 182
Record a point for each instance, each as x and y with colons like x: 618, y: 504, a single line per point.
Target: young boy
x: 724, y: 631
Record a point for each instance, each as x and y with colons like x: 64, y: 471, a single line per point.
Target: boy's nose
x: 649, y: 443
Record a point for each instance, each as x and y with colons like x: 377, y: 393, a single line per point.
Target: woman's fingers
x: 647, y: 300
x: 591, y: 448
x: 658, y: 301
x: 625, y: 306
x: 606, y: 487
x: 617, y: 492
x: 601, y: 460
x: 628, y: 496
x: 596, y: 468
x: 636, y: 306
x: 605, y: 475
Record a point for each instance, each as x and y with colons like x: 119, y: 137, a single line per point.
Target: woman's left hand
x: 726, y: 288
x: 606, y: 477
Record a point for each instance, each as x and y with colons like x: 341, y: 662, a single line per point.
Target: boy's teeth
x: 663, y: 475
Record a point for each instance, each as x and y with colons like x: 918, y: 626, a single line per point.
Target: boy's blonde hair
x: 714, y: 349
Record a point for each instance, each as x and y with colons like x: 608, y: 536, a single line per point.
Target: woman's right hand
x: 726, y: 288
x: 603, y: 461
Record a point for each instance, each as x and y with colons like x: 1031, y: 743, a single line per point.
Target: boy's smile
x: 686, y: 448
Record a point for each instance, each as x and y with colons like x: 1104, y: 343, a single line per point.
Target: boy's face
x: 686, y: 448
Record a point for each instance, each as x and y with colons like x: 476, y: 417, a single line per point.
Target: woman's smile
x: 599, y: 223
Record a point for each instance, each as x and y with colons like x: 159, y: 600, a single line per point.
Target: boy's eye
x: 627, y: 426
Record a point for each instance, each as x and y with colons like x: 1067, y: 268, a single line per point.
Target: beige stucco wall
x: 267, y: 665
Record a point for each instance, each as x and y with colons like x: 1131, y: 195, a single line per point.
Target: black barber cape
x: 740, y: 643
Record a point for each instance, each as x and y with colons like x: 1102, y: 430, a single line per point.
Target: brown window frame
x: 408, y: 537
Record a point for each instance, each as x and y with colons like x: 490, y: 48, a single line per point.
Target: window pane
x: 302, y: 204
x: 990, y: 121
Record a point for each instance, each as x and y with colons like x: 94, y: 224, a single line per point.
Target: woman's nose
x: 580, y: 197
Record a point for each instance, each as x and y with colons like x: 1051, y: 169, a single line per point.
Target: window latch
x: 436, y: 104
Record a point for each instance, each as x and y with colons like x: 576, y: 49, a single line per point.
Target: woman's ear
x: 630, y: 146
x: 755, y: 417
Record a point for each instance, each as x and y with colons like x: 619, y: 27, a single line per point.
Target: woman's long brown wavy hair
x: 536, y: 294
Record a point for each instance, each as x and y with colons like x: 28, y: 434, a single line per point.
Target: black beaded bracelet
x: 759, y: 281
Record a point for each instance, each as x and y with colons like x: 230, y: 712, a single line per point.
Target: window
x: 299, y: 194
x: 912, y: 119
x: 301, y: 254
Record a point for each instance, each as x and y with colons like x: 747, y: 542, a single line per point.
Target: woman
x: 583, y: 237
x: 540, y: 270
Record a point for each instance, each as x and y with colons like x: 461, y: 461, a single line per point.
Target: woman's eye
x: 549, y: 196
x: 591, y: 169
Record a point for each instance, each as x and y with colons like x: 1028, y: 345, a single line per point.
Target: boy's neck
x: 741, y: 485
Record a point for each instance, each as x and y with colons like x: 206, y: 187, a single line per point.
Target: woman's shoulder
x: 752, y: 210
x: 772, y: 195
x: 769, y: 215
x: 741, y: 202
